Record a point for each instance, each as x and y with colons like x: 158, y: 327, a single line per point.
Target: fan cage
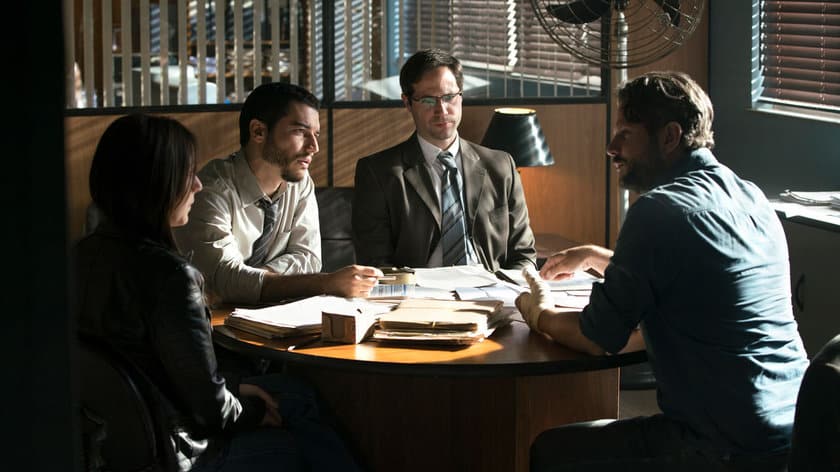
x: 650, y: 32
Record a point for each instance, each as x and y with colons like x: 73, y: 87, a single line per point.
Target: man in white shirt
x: 253, y: 230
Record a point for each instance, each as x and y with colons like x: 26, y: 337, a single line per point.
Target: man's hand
x: 353, y: 281
x: 532, y: 304
x: 272, y: 414
x: 564, y: 264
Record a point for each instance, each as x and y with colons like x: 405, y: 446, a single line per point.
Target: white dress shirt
x: 225, y: 221
x: 436, y: 169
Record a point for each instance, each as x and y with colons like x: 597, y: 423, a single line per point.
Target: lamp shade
x: 517, y: 131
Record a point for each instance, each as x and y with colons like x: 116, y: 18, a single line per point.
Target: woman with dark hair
x: 144, y: 301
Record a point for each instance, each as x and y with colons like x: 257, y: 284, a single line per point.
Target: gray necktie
x: 260, y: 248
x: 452, y: 228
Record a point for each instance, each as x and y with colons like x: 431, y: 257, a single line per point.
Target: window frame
x: 772, y: 51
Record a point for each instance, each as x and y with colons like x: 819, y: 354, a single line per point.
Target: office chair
x: 118, y: 428
x: 815, y: 444
x: 335, y: 208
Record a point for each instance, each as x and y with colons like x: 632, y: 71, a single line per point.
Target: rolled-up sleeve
x: 209, y: 240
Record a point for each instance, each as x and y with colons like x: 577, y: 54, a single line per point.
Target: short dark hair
x: 423, y: 61
x: 142, y: 169
x: 657, y: 98
x: 269, y: 103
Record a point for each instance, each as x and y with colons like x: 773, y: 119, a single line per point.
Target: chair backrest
x: 335, y: 207
x: 118, y: 427
x: 816, y: 428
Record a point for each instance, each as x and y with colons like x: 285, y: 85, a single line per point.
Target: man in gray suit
x: 436, y: 199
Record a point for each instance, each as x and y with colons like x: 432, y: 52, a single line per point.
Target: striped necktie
x: 260, y: 248
x: 452, y: 228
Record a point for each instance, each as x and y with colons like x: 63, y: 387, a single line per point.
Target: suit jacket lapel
x: 418, y: 177
x: 474, y: 174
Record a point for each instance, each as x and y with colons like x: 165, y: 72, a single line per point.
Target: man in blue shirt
x: 700, y: 279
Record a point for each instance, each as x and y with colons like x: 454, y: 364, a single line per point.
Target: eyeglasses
x: 431, y: 100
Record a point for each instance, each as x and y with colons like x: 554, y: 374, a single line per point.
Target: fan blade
x: 579, y: 12
x: 672, y: 9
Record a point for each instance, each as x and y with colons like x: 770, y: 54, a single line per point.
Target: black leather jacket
x: 147, y: 303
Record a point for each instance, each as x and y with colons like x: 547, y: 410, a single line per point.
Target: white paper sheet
x: 450, y: 278
x: 307, y: 312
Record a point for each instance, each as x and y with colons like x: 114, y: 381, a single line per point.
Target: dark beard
x: 642, y: 176
x: 288, y: 177
x: 283, y: 162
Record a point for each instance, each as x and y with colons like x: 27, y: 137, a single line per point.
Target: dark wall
x: 38, y: 420
x: 776, y: 152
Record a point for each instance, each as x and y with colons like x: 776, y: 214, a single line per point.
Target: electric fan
x: 619, y: 33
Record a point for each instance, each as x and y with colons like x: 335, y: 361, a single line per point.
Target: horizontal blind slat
x: 818, y: 41
x: 804, y: 74
x: 801, y: 96
x: 810, y: 30
x: 786, y: 83
x: 800, y: 18
x: 803, y: 7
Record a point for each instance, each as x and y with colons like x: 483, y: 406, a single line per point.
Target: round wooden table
x: 473, y: 408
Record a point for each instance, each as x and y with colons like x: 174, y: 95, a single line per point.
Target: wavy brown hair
x: 657, y: 98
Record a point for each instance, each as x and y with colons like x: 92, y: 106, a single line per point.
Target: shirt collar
x: 430, y: 151
x: 694, y: 160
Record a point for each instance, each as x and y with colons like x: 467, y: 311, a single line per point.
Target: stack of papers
x: 298, y: 317
x: 430, y: 321
x: 811, y: 198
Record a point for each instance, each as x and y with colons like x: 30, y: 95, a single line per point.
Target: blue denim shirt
x: 701, y: 263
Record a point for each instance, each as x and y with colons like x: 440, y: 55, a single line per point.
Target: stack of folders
x: 299, y: 317
x: 447, y: 322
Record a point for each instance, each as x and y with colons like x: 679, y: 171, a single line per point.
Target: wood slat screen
x: 800, y: 53
x: 139, y: 53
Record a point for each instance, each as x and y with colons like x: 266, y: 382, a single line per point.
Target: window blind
x: 800, y: 53
x: 501, y: 37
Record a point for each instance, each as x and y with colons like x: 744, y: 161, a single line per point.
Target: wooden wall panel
x: 361, y: 132
x: 81, y: 136
x: 567, y: 198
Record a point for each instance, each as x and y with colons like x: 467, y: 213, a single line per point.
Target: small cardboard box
x: 346, y: 328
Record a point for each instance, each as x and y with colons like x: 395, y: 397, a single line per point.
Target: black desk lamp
x: 517, y: 131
